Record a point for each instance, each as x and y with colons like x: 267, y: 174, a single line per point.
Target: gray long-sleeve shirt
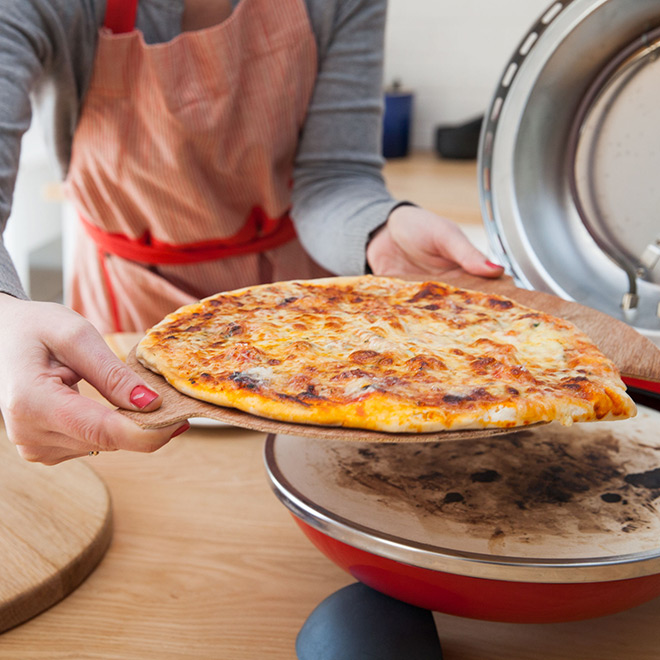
x: 47, y: 50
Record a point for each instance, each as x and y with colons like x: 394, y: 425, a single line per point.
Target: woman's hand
x: 415, y: 241
x: 45, y: 350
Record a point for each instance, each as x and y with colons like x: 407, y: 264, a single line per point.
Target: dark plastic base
x: 358, y: 623
x: 645, y: 398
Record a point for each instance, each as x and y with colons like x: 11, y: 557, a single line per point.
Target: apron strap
x: 120, y: 15
x: 266, y: 234
x: 259, y: 234
x: 110, y: 291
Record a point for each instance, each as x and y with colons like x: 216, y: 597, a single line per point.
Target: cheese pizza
x: 384, y: 354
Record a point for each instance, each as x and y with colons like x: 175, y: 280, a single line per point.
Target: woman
x: 203, y: 145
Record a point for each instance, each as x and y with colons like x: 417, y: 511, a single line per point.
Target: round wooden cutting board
x: 55, y: 526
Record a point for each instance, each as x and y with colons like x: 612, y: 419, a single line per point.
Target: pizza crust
x: 386, y: 355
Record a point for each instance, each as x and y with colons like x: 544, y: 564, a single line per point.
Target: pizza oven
x: 551, y: 523
x: 543, y: 525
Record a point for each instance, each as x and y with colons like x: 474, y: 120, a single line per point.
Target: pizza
x: 384, y: 354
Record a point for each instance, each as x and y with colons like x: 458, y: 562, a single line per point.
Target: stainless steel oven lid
x: 568, y: 158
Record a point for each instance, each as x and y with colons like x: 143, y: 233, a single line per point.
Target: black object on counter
x: 459, y: 142
x: 358, y: 623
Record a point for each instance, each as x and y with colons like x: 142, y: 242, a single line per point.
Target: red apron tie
x: 260, y: 233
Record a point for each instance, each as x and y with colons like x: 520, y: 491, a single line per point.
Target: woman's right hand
x: 45, y: 350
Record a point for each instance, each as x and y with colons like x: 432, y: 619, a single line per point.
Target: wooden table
x: 206, y: 563
x: 447, y: 187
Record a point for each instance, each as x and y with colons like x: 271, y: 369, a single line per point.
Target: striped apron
x: 182, y: 162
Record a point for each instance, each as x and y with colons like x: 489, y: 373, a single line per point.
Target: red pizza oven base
x: 485, y: 599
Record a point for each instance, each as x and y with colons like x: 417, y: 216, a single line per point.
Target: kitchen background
x: 449, y: 54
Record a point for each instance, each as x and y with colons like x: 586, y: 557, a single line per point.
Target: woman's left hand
x: 415, y: 241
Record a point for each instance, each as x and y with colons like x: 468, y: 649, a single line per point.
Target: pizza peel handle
x: 177, y: 407
x: 635, y: 355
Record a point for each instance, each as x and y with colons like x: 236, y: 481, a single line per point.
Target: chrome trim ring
x: 515, y: 569
x: 527, y: 198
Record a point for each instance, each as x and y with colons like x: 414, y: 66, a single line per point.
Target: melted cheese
x: 384, y: 354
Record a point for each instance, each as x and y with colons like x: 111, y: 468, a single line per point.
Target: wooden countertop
x: 206, y: 563
x: 447, y: 187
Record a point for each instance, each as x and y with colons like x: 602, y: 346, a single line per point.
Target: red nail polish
x: 142, y: 396
x: 182, y: 429
x: 492, y: 265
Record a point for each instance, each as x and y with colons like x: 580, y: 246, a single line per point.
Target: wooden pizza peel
x: 636, y: 357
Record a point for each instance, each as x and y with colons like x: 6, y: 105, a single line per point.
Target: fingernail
x: 142, y: 396
x: 182, y: 429
x: 490, y: 264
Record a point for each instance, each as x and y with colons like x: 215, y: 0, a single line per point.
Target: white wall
x: 35, y: 221
x: 451, y: 54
